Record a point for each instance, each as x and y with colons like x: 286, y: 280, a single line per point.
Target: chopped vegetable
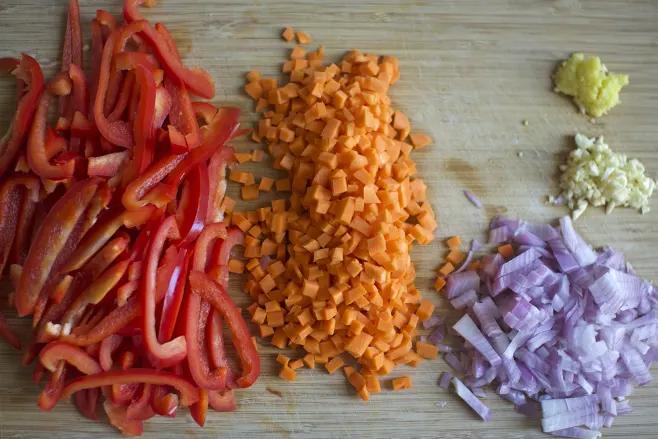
x: 551, y: 320
x: 473, y: 199
x: 111, y: 228
x: 339, y: 277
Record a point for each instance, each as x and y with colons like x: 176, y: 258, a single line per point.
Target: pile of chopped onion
x: 558, y: 326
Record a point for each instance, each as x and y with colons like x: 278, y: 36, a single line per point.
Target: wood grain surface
x: 472, y: 71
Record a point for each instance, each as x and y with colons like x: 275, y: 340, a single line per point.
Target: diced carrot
x: 287, y: 373
x: 288, y: 34
x: 304, y: 38
x: 446, y: 269
x: 242, y: 157
x: 309, y: 361
x: 439, y: 284
x: 427, y: 350
x: 296, y: 364
x: 282, y: 359
x: 254, y: 89
x: 425, y: 310
x: 454, y: 242
x: 265, y: 184
x: 235, y: 266
x: 401, y: 383
x: 297, y: 53
x: 419, y: 140
x: 334, y: 364
x: 506, y: 251
x: 455, y: 257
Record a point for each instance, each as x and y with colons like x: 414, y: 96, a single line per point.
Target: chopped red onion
x: 469, y: 330
x: 444, y: 383
x: 470, y: 399
x: 477, y: 391
x: 444, y: 348
x: 459, y: 283
x: 436, y: 336
x: 440, y: 404
x: 475, y: 246
x: 473, y: 199
x: 432, y: 322
x: 559, y: 323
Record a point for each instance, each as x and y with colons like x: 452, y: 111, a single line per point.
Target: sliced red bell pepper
x: 174, y: 296
x: 38, y: 372
x: 97, y: 42
x: 107, y: 165
x: 222, y: 400
x: 199, y: 409
x: 52, y: 392
x: 222, y: 128
x: 108, y: 21
x: 19, y: 195
x: 50, y: 240
x: 215, y: 294
x: 215, y: 336
x: 57, y: 351
x: 117, y: 131
x: 123, y: 394
x: 38, y: 156
x: 163, y: 105
x: 205, y: 243
x: 27, y: 71
x: 205, y: 110
x: 145, y: 189
x: 183, y: 117
x: 71, y: 52
x: 81, y: 126
x: 217, y: 189
x: 193, y: 205
x: 87, y: 402
x: 107, y: 349
x: 198, y: 358
x: 78, y: 103
x: 222, y: 254
x: 188, y: 391
x: 163, y: 402
x: 196, y: 80
x: 127, y: 360
x: 118, y: 419
x: 62, y: 289
x: 140, y: 409
x: 174, y: 351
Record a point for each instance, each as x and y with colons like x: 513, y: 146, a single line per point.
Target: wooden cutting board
x: 472, y: 71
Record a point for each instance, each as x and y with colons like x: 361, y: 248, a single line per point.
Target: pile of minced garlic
x: 595, y: 175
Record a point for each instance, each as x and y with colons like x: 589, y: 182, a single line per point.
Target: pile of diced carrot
x: 329, y: 267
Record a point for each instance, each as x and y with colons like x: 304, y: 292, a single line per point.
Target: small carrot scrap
x: 506, y: 251
x: 340, y: 282
x: 401, y: 383
x: 439, y: 284
x: 235, y: 266
x: 274, y: 392
x: 446, y: 269
x: 304, y: 38
x: 242, y: 157
x: 288, y: 34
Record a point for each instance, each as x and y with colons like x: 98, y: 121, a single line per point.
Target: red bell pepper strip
x: 52, y: 392
x: 188, y: 391
x: 201, y: 369
x: 140, y: 409
x: 183, y: 117
x: 107, y: 165
x: 78, y: 102
x: 205, y: 110
x: 108, y: 21
x: 50, y: 240
x: 118, y: 419
x: 193, y: 205
x: 38, y: 372
x: 222, y: 254
x: 217, y: 189
x: 174, y: 351
x: 123, y: 394
x: 197, y: 81
x: 215, y: 336
x: 222, y: 400
x: 71, y: 52
x: 144, y: 189
x: 58, y: 351
x: 26, y: 70
x: 62, y: 289
x: 18, y: 209
x: 163, y: 105
x: 174, y: 296
x: 87, y: 402
x: 222, y: 128
x: 38, y: 156
x: 8, y: 334
x: 205, y: 243
x: 126, y: 291
x: 107, y: 348
x: 97, y: 42
x: 118, y: 132
x: 163, y: 402
x: 215, y: 294
x: 81, y: 126
x: 199, y: 409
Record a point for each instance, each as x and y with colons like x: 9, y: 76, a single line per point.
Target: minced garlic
x: 595, y: 175
x: 594, y: 90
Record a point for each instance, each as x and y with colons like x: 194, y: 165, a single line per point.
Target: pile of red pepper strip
x: 110, y: 227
